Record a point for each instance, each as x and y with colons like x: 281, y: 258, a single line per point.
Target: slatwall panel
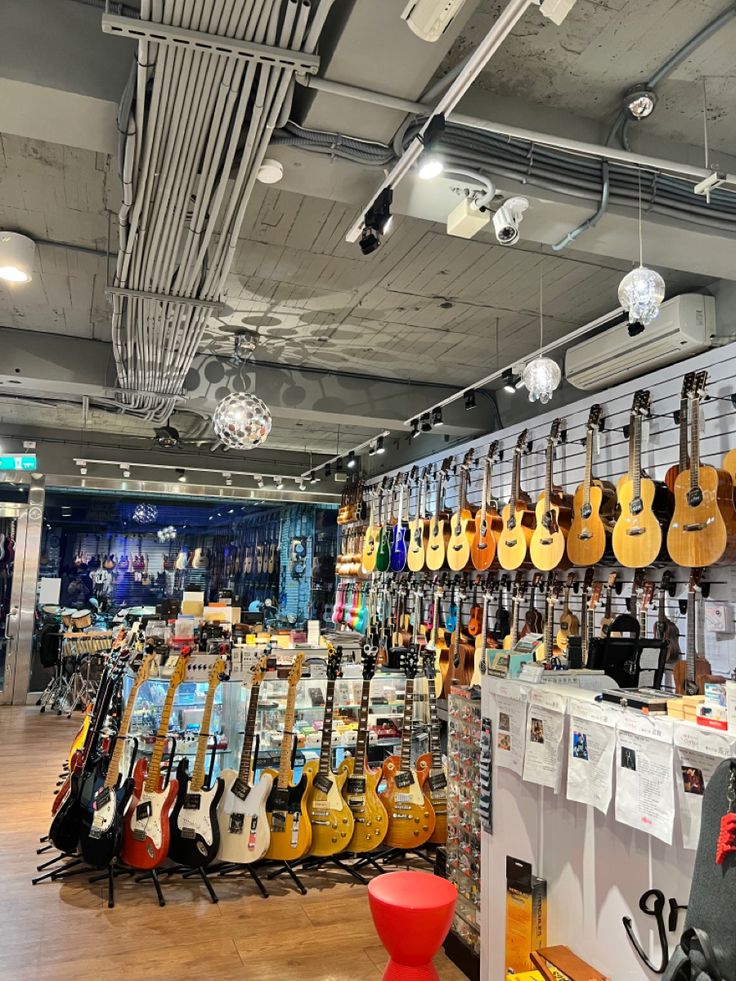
x: 661, y: 450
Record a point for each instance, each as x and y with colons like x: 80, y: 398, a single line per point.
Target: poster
x: 591, y: 745
x: 645, y: 789
x: 510, y: 724
x: 698, y: 753
x: 545, y: 730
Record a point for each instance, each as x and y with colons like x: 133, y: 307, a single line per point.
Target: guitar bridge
x: 635, y: 531
x: 698, y: 525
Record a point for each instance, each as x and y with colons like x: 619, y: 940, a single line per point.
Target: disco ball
x: 145, y: 514
x: 242, y: 421
x: 541, y: 377
x: 640, y: 293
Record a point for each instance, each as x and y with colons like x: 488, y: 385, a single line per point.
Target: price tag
x: 323, y: 783
x: 404, y: 779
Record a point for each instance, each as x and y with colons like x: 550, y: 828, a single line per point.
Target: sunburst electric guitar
x: 146, y: 832
x: 594, y: 501
x: 411, y: 817
x: 291, y: 832
x: 195, y: 831
x: 329, y: 814
x: 547, y: 546
x: 518, y: 518
x: 242, y: 817
x: 430, y: 769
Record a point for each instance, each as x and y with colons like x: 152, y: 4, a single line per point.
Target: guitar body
x: 462, y: 672
x: 437, y: 539
x: 480, y: 644
x: 437, y: 797
x: 383, y: 551
x: 637, y: 537
x: 102, y: 824
x: 329, y: 814
x: 485, y: 539
x: 370, y: 548
x: 586, y: 538
x: 512, y: 547
x: 547, y: 545
x: 729, y: 465
x: 689, y: 686
x: 569, y: 627
x: 146, y: 834
x: 462, y: 533
x: 410, y: 813
x: 244, y: 831
x: 195, y: 832
x: 66, y: 823
x: 418, y: 535
x: 370, y: 821
x: 397, y: 559
x: 702, y: 533
x: 291, y: 832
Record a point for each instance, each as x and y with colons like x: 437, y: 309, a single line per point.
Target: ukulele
x: 437, y: 644
x: 482, y: 639
x: 102, y: 818
x: 461, y: 652
x: 688, y: 382
x: 291, y: 832
x: 512, y: 637
x: 588, y: 534
x: 360, y: 783
x: 462, y: 523
x: 608, y: 617
x: 397, y: 560
x: 547, y: 546
x: 703, y: 527
x: 430, y: 771
x: 439, y: 533
x: 518, y: 519
x: 665, y: 629
x: 476, y: 618
x: 329, y: 813
x: 691, y: 672
x: 383, y: 549
x: 370, y: 543
x: 487, y: 520
x: 547, y: 649
x: 637, y: 534
x: 533, y: 618
x: 569, y: 623
x: 241, y: 816
x: 418, y: 527
x: 195, y: 831
x: 146, y: 831
x: 410, y: 813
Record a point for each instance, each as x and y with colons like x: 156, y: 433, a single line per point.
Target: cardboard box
x: 526, y: 914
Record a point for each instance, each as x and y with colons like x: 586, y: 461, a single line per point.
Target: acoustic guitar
x: 483, y: 639
x: 517, y: 517
x: 461, y: 650
x: 665, y: 628
x: 703, y: 527
x: 430, y: 770
x: 242, y: 816
x: 517, y: 595
x: 592, y: 507
x: 418, y: 526
x: 291, y: 831
x: 533, y: 618
x: 439, y: 533
x: 553, y: 513
x: 547, y: 649
x: 475, y: 618
x: 360, y: 782
x: 370, y: 543
x: 683, y: 462
x: 488, y: 522
x: 691, y: 672
x: 410, y: 813
x: 608, y: 616
x: 397, y: 559
x: 146, y: 831
x: 462, y: 523
x: 383, y: 549
x: 644, y: 505
x: 569, y: 622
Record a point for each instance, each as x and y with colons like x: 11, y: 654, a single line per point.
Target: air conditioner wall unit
x: 683, y: 328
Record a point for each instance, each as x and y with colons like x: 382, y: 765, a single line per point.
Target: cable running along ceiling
x: 195, y: 127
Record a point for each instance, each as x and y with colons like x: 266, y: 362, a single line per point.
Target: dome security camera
x: 507, y: 219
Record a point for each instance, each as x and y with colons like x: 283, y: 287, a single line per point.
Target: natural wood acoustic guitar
x: 569, y: 622
x: 439, y: 532
x: 419, y: 526
x: 487, y: 520
x: 547, y: 649
x: 553, y: 512
x: 683, y: 460
x: 517, y: 517
x: 372, y: 532
x: 462, y: 523
x: 517, y: 595
x: 589, y: 533
x: 692, y: 672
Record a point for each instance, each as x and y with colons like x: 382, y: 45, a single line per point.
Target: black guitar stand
x: 237, y: 871
x: 73, y: 865
x: 317, y: 862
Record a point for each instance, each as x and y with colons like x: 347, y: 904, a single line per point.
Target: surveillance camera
x: 507, y: 219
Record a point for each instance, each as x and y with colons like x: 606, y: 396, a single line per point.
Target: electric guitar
x: 644, y: 505
x: 430, y: 770
x: 418, y: 526
x: 291, y: 832
x: 518, y: 518
x: 487, y: 520
x: 397, y: 560
x: 691, y: 672
x: 410, y: 813
x: 102, y: 818
x: 146, y: 830
x: 703, y: 527
x: 195, y: 832
x: 436, y: 642
x: 569, y: 623
x: 593, y: 500
x: 370, y: 543
x: 596, y: 589
x: 241, y: 815
x: 483, y: 639
x: 665, y: 629
x: 439, y: 533
x: 329, y: 814
x: 462, y: 523
x: 547, y: 546
x: 547, y: 649
x: 360, y: 783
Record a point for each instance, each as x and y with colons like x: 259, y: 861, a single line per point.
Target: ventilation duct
x: 196, y: 105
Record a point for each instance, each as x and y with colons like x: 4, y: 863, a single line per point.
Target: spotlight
x: 414, y: 428
x: 380, y: 448
x: 351, y: 461
x: 430, y: 163
x: 430, y: 166
x: 426, y: 423
x: 338, y: 465
x: 639, y: 101
x: 509, y: 384
x: 469, y: 399
x: 377, y: 222
x: 126, y: 473
x: 507, y: 219
x: 279, y: 483
x: 167, y: 437
x: 635, y: 329
x: 372, y: 449
x: 437, y: 417
x: 83, y: 471
x: 302, y: 485
x: 182, y: 477
x: 259, y: 480
x: 228, y: 481
x: 314, y: 477
x: 17, y: 255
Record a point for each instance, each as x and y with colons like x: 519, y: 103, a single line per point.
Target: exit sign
x: 27, y: 462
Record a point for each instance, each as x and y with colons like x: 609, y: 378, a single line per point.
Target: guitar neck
x: 695, y: 446
x: 244, y: 772
x: 588, y: 467
x: 153, y: 775
x: 549, y: 630
x: 287, y: 742
x: 515, y: 607
x: 515, y: 481
x: 637, y: 457
x: 113, y: 769
x: 691, y: 654
x: 548, y: 474
x: 325, y: 753
x: 197, y: 781
x: 361, y: 743
x: 434, y: 727
x: 684, y: 461
x: 407, y: 725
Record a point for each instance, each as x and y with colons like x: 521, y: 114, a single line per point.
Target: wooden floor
x: 63, y: 931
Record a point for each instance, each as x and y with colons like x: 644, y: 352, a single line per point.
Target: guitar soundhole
x: 585, y: 511
x: 695, y: 497
x: 636, y: 506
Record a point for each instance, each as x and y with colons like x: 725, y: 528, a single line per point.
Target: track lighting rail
x: 213, y: 307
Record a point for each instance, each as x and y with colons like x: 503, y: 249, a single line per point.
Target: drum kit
x: 71, y: 653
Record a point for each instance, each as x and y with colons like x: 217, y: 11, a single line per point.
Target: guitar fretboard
x: 287, y: 741
x: 695, y: 446
x: 434, y: 727
x: 197, y: 781
x: 407, y: 724
x: 244, y: 772
x: 153, y: 775
x: 361, y: 743
x: 325, y: 754
x: 588, y: 467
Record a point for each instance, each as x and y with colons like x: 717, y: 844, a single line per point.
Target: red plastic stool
x: 412, y: 912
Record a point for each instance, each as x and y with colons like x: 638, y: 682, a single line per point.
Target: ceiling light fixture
x: 182, y: 478
x: 640, y: 101
x: 352, y: 462
x: 430, y: 164
x: 426, y: 423
x: 242, y: 421
x: 328, y: 471
x: 437, y: 417
x: 338, y: 465
x: 377, y: 222
x: 279, y: 482
x: 469, y: 399
x: 167, y: 437
x: 83, y: 471
x: 302, y: 485
x: 641, y: 291
x: 270, y: 172
x: 542, y: 375
x: 509, y: 384
x: 414, y: 428
x: 17, y: 255
x: 380, y: 448
x: 314, y: 477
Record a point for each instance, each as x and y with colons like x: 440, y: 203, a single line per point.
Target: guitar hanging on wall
x: 592, y: 506
x: 488, y: 522
x: 517, y: 517
x: 439, y: 532
x: 692, y: 672
x: 547, y: 545
x: 418, y: 527
x: 462, y: 523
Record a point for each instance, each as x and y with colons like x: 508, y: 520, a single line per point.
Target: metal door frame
x: 20, y: 623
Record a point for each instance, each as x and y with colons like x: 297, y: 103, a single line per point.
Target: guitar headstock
x: 554, y: 433
x: 413, y: 474
x: 447, y: 465
x: 218, y: 671
x: 295, y: 672
x: 695, y: 581
x: 489, y: 587
x: 612, y: 577
x: 536, y: 580
x: 520, y: 584
x: 666, y: 581
x: 180, y: 670
x: 642, y: 403
x: 145, y: 667
x: 572, y: 578
x: 698, y: 389
x: 334, y: 662
x: 595, y: 594
x: 370, y: 660
x: 594, y: 418
x: 258, y: 671
x: 521, y: 442
x: 466, y: 461
x: 554, y: 590
x: 429, y: 665
x: 492, y: 454
x: 647, y: 594
x: 410, y: 662
x: 688, y: 383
